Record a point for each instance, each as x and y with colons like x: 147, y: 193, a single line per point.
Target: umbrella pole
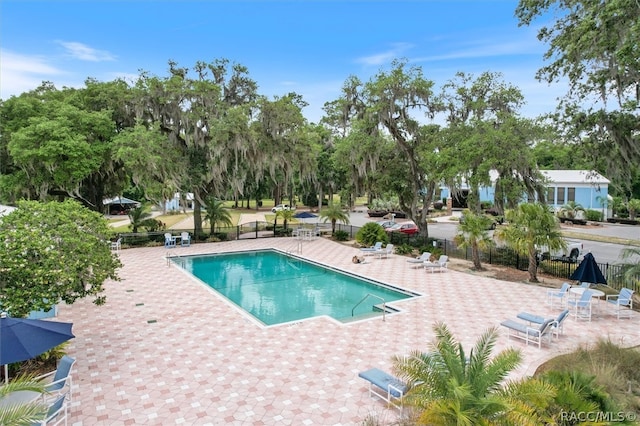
x: 6, y: 374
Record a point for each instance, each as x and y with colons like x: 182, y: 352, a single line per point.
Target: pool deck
x: 165, y: 349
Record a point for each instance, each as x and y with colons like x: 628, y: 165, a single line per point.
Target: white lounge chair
x: 420, y: 259
x: 557, y: 327
x: 440, y: 264
x: 385, y: 251
x: 528, y: 332
x: 371, y: 250
x: 385, y: 386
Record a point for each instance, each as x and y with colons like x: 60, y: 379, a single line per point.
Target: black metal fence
x: 558, y: 267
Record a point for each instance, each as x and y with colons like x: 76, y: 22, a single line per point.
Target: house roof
x: 120, y: 200
x: 589, y: 177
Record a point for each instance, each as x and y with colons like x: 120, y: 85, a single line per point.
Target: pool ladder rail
x: 170, y: 255
x: 384, y: 304
x: 297, y: 247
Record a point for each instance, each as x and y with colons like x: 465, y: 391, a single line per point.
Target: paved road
x: 603, y: 252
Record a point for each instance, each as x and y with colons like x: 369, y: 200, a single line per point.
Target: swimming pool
x: 276, y: 288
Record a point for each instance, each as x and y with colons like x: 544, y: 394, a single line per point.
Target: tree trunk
x: 475, y: 255
x: 533, y: 267
x: 197, y: 216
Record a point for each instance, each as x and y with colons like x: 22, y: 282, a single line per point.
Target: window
x: 561, y: 195
x: 551, y: 195
x: 571, y: 194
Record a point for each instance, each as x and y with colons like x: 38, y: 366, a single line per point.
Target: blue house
x: 588, y: 188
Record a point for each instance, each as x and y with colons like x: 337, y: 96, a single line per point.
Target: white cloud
x: 395, y: 52
x: 485, y: 49
x: 85, y: 53
x: 22, y: 73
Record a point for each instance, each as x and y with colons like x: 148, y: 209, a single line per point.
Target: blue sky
x: 308, y: 47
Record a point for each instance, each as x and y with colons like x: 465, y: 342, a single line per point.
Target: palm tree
x: 286, y: 215
x: 138, y: 217
x: 571, y: 210
x: 451, y: 387
x: 633, y: 205
x: 333, y: 212
x: 22, y: 414
x: 604, y: 202
x: 577, y: 392
x: 216, y: 214
x: 632, y: 269
x: 472, y: 232
x: 532, y: 226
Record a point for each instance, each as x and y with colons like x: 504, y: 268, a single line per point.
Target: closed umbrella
x: 22, y: 339
x: 588, y: 271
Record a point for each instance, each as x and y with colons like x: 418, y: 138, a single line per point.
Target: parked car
x: 386, y: 223
x: 280, y: 207
x: 571, y: 254
x: 408, y: 228
x: 491, y: 223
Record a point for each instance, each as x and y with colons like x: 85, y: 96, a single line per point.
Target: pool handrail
x: 384, y: 304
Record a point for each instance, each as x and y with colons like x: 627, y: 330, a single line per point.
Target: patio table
x: 18, y: 398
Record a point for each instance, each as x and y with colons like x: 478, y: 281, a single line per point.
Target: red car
x: 409, y: 228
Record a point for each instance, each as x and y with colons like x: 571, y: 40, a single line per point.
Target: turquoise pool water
x: 276, y: 288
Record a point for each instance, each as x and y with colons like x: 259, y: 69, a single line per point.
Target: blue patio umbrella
x: 588, y: 271
x: 22, y: 339
x: 304, y: 215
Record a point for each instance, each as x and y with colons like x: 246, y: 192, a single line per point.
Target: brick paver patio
x: 167, y: 350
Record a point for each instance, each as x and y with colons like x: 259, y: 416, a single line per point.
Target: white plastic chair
x: 622, y: 303
x: 185, y: 239
x: 116, y: 245
x: 169, y: 240
x: 559, y: 295
x: 61, y: 378
x: 581, y: 308
x: 56, y: 414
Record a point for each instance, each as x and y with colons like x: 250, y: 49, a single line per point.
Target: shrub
x: 557, y: 268
x: 404, y: 249
x: 429, y: 249
x: 593, y: 215
x: 371, y: 233
x: 436, y: 252
x: 438, y: 205
x: 221, y: 236
x: 341, y: 235
x: 486, y: 205
x: 281, y: 232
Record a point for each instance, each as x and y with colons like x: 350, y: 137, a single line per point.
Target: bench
x: 392, y: 388
x: 527, y: 332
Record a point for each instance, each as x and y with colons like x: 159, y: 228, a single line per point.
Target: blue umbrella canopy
x: 22, y: 339
x: 304, y: 215
x: 588, y: 271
